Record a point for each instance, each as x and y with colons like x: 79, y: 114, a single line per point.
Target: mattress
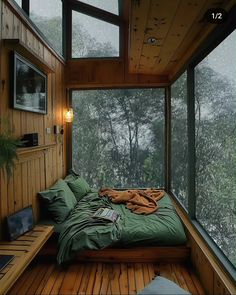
x: 81, y: 231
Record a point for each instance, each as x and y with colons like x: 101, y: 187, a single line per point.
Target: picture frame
x: 29, y: 86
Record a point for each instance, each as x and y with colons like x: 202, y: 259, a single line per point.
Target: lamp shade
x: 69, y: 115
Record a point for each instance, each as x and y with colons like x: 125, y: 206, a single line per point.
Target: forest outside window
x: 93, y: 37
x: 118, y: 137
x: 47, y: 16
x: 215, y: 141
x: 179, y: 139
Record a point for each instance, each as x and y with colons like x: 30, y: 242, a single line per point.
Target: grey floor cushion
x: 162, y: 286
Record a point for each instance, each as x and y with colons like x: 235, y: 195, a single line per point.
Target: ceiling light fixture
x: 152, y: 40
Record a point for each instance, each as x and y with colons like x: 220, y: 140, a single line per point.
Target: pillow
x: 162, y: 286
x: 78, y: 185
x: 60, y: 200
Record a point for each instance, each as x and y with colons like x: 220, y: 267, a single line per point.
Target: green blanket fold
x: 81, y: 231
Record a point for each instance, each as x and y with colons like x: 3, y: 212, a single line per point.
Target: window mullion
x: 26, y: 6
x: 191, y: 143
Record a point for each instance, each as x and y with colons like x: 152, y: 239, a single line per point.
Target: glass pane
x: 92, y: 37
x: 215, y: 107
x: 179, y: 139
x: 111, y: 5
x: 19, y: 2
x: 47, y: 15
x: 118, y: 137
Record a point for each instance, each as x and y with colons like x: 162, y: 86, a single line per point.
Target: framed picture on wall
x: 29, y: 86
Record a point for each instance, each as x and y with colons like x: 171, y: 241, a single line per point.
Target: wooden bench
x: 24, y: 248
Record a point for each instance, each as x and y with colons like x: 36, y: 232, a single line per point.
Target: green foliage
x: 8, y: 154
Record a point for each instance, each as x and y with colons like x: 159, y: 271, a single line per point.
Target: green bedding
x: 81, y: 231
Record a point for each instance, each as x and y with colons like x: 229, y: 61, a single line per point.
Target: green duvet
x: 81, y: 231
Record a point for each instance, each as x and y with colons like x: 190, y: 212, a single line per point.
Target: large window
x: 179, y: 140
x: 92, y: 37
x: 118, y: 137
x: 47, y: 15
x: 215, y: 136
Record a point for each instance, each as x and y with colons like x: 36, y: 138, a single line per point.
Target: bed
x: 80, y: 231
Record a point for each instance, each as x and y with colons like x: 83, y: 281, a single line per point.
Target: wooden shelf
x: 24, y: 248
x: 26, y: 150
x: 26, y: 52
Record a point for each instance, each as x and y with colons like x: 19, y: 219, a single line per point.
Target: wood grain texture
x: 36, y: 168
x: 101, y: 278
x: 24, y: 254
x: 179, y: 27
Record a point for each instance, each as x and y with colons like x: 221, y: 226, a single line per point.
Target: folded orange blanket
x: 138, y: 201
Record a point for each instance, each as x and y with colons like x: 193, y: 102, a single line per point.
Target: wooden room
x: 117, y: 147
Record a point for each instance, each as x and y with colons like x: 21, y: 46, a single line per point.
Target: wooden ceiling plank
x: 195, y: 36
x: 159, y: 19
x: 186, y: 14
x: 139, y: 16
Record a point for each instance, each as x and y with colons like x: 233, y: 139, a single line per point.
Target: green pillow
x: 60, y: 200
x: 78, y: 185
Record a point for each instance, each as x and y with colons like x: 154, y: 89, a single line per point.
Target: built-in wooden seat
x: 24, y: 248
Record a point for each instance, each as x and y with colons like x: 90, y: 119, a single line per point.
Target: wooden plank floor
x: 101, y: 278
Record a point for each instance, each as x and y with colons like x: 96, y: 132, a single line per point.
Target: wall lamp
x: 69, y: 115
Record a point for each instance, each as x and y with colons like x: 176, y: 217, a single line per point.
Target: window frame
x: 92, y: 11
x: 217, y: 36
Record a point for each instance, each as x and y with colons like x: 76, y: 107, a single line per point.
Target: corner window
x: 179, y: 139
x: 215, y: 137
x: 92, y: 37
x: 118, y: 137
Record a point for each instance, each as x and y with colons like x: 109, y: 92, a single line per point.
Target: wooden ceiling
x: 179, y: 27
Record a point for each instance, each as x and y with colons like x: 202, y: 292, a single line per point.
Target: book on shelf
x: 107, y: 214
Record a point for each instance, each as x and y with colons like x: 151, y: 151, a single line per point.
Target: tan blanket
x: 138, y: 201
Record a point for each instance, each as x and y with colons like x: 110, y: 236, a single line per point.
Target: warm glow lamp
x: 69, y: 115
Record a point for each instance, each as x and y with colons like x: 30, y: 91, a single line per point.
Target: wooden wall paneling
x: 42, y: 172
x: 29, y: 39
x: 16, y: 27
x: 47, y: 56
x: 36, y: 169
x: 25, y: 194
x: 17, y: 188
x: 7, y: 22
x: 41, y: 50
x: 3, y: 201
x: 23, y: 35
x: 16, y: 121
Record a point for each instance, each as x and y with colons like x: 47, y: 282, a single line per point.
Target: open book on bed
x: 107, y: 214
